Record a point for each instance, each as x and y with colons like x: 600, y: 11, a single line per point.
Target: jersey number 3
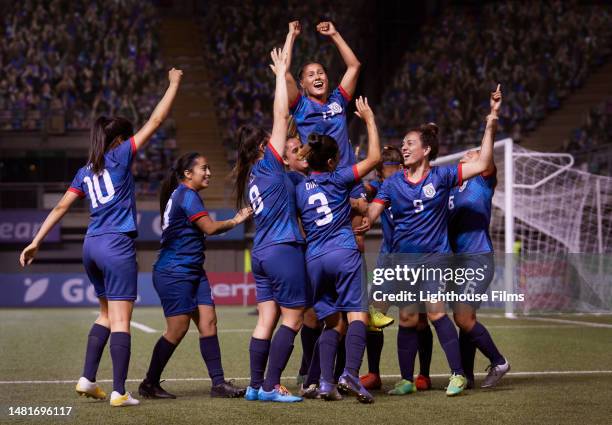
x: 95, y: 193
x: 323, y: 209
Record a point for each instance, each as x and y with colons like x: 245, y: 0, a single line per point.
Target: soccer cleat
x: 329, y: 391
x: 149, y: 390
x: 403, y: 387
x: 371, y: 381
x: 495, y: 374
x: 311, y: 393
x: 118, y: 400
x: 227, y: 390
x: 279, y: 394
x: 352, y: 385
x: 379, y: 319
x: 456, y: 385
x: 373, y: 329
x: 423, y: 383
x: 86, y: 388
x: 251, y: 394
x: 470, y: 384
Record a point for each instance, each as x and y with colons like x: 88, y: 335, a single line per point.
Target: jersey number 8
x: 95, y: 186
x: 255, y: 198
x: 323, y: 209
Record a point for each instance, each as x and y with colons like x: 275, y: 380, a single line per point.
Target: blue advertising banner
x: 21, y: 226
x: 149, y: 226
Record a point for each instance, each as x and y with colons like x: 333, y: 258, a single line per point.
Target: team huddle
x: 302, y: 186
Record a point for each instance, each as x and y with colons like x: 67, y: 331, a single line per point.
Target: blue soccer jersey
x: 112, y: 200
x: 323, y: 202
x: 327, y: 118
x: 182, y: 242
x: 420, y: 209
x: 272, y: 196
x: 470, y: 215
x: 386, y: 223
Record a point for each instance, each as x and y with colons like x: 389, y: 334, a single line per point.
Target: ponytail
x: 318, y: 151
x: 173, y: 177
x: 429, y: 138
x: 104, y: 133
x: 250, y: 138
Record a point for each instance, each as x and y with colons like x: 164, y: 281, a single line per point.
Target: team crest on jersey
x: 334, y: 108
x: 429, y: 190
x: 463, y: 186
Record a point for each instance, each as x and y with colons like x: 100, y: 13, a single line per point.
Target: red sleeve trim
x: 356, y: 173
x: 278, y: 157
x: 295, y: 102
x: 198, y: 215
x: 344, y: 94
x: 379, y: 201
x: 80, y: 193
x: 133, y: 143
x: 460, y: 174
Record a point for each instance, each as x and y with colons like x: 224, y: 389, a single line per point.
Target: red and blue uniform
x: 109, y: 255
x: 333, y: 260
x: 178, y: 274
x: 278, y: 240
x: 328, y: 118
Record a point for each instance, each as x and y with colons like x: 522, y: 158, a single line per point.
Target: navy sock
x: 96, y: 341
x: 314, y: 371
x: 407, y: 347
x: 211, y: 353
x: 120, y: 348
x: 309, y: 338
x: 258, y: 352
x: 355, y: 346
x: 280, y: 351
x: 328, y: 345
x: 468, y: 352
x: 374, y: 343
x: 447, y: 335
x: 159, y: 359
x: 482, y: 339
x: 340, y: 358
x: 425, y: 349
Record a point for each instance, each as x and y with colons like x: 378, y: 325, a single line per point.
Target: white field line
x: 437, y: 375
x: 138, y: 325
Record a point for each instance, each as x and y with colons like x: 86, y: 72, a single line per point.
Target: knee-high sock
x: 425, y: 349
x: 407, y: 347
x: 340, y: 358
x: 447, y: 335
x: 280, y: 351
x: 96, y: 341
x: 314, y: 372
x: 120, y: 348
x: 159, y: 359
x: 309, y: 338
x: 355, y: 343
x: 258, y: 352
x: 211, y: 353
x: 328, y: 345
x: 468, y: 352
x: 482, y: 339
x: 374, y: 344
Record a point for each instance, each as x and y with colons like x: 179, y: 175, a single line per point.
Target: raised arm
x: 161, y: 111
x: 212, y: 227
x: 353, y: 66
x: 56, y: 214
x: 485, y: 160
x: 373, y: 158
x: 292, y: 89
x: 281, y: 103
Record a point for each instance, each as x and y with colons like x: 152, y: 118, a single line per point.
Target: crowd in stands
x: 539, y: 51
x: 63, y: 62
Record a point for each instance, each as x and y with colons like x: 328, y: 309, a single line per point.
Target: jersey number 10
x: 95, y: 193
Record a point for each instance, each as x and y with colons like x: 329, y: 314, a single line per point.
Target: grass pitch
x: 561, y: 373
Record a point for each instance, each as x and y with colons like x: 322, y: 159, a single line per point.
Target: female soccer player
x: 333, y: 259
x: 418, y: 198
x: 179, y: 277
x: 470, y: 215
x: 109, y: 255
x: 278, y: 243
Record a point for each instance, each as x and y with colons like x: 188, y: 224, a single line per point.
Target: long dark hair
x: 429, y: 137
x: 250, y: 138
x: 104, y: 133
x: 318, y: 151
x: 175, y: 175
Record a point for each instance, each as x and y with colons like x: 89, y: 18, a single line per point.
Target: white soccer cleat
x: 495, y: 374
x: 118, y: 400
x: 86, y: 388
